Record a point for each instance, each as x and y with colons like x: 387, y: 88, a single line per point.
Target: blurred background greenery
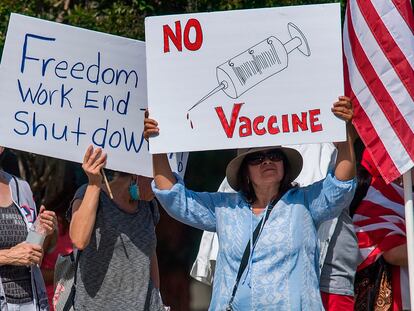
x: 121, y: 17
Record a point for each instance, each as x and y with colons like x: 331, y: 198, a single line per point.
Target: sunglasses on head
x: 259, y: 157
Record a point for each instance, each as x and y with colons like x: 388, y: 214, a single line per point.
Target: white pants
x: 27, y: 306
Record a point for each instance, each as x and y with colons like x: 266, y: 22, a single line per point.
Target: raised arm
x: 345, y: 168
x: 84, y: 211
x: 327, y: 198
x: 192, y: 208
x: 163, y: 175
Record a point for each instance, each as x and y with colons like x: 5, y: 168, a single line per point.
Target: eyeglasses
x: 259, y: 157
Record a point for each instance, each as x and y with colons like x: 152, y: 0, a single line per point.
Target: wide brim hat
x: 293, y: 156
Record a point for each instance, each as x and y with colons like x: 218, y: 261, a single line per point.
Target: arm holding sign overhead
x: 345, y: 168
x: 190, y: 207
x: 345, y: 163
x: 84, y: 210
x: 163, y: 175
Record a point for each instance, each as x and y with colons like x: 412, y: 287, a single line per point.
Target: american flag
x: 380, y: 226
x: 379, y: 78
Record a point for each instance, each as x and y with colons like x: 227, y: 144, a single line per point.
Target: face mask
x: 133, y: 191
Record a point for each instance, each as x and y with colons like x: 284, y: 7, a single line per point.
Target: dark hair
x: 246, y: 187
x: 363, y: 182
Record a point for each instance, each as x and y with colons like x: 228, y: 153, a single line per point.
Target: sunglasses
x: 259, y: 157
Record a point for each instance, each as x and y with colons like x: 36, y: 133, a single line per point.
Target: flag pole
x: 409, y: 227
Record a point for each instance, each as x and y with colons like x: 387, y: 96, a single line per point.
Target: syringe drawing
x: 256, y: 64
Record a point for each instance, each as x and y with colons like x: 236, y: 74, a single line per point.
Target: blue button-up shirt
x: 284, y: 272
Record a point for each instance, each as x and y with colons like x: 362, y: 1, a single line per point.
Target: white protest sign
x: 245, y: 78
x: 64, y: 88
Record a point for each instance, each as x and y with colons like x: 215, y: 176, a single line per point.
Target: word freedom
x: 63, y: 69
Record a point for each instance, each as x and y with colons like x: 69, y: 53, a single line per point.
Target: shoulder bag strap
x: 246, y: 254
x: 71, y: 299
x: 76, y: 266
x: 17, y: 190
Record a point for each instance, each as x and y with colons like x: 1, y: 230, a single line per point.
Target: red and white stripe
x: 380, y: 226
x: 379, y: 78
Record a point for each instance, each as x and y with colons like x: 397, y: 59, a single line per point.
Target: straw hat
x: 232, y: 171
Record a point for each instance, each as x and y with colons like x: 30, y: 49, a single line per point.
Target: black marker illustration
x: 259, y: 62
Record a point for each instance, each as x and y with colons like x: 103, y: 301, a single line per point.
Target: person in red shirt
x: 63, y: 247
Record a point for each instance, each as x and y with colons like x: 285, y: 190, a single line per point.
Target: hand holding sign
x: 57, y: 100
x: 275, y: 73
x: 150, y: 127
x: 93, y: 162
x: 343, y: 108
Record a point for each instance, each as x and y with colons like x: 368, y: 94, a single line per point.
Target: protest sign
x: 245, y: 78
x: 64, y: 88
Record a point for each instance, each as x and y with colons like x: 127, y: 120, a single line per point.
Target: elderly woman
x: 21, y: 283
x: 268, y: 227
x: 118, y: 267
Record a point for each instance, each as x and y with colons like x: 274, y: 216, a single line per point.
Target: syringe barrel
x: 252, y: 66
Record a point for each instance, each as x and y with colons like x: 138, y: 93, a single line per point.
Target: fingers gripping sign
x: 93, y: 162
x: 343, y: 108
x: 150, y: 126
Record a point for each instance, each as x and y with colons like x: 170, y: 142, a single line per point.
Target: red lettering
x: 193, y: 46
x: 256, y: 122
x: 313, y: 118
x: 245, y: 129
x: 272, y: 129
x: 285, y: 123
x: 296, y: 122
x: 229, y: 127
x: 262, y: 125
x: 174, y: 37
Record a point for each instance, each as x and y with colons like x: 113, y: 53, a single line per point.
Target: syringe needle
x: 220, y: 87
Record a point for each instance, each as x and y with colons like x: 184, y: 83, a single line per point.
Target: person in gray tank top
x: 118, y: 268
x: 21, y: 283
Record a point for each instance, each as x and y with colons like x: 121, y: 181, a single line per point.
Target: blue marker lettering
x: 61, y: 66
x: 105, y: 102
x: 87, y: 99
x: 44, y: 65
x: 78, y: 132
x: 118, y: 137
x: 16, y: 117
x: 64, y: 132
x: 122, y: 106
x: 104, y: 131
x: 24, y: 53
x: 29, y: 92
x: 64, y: 96
x: 37, y: 126
x: 76, y: 69
x: 122, y: 72
x: 43, y: 101
x: 112, y: 75
x: 98, y: 69
x: 131, y: 143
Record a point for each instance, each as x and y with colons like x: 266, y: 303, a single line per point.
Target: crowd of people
x: 335, y: 241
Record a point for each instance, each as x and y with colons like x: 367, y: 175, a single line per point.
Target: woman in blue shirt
x: 282, y: 270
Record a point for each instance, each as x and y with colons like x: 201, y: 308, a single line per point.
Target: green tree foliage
x: 122, y: 17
